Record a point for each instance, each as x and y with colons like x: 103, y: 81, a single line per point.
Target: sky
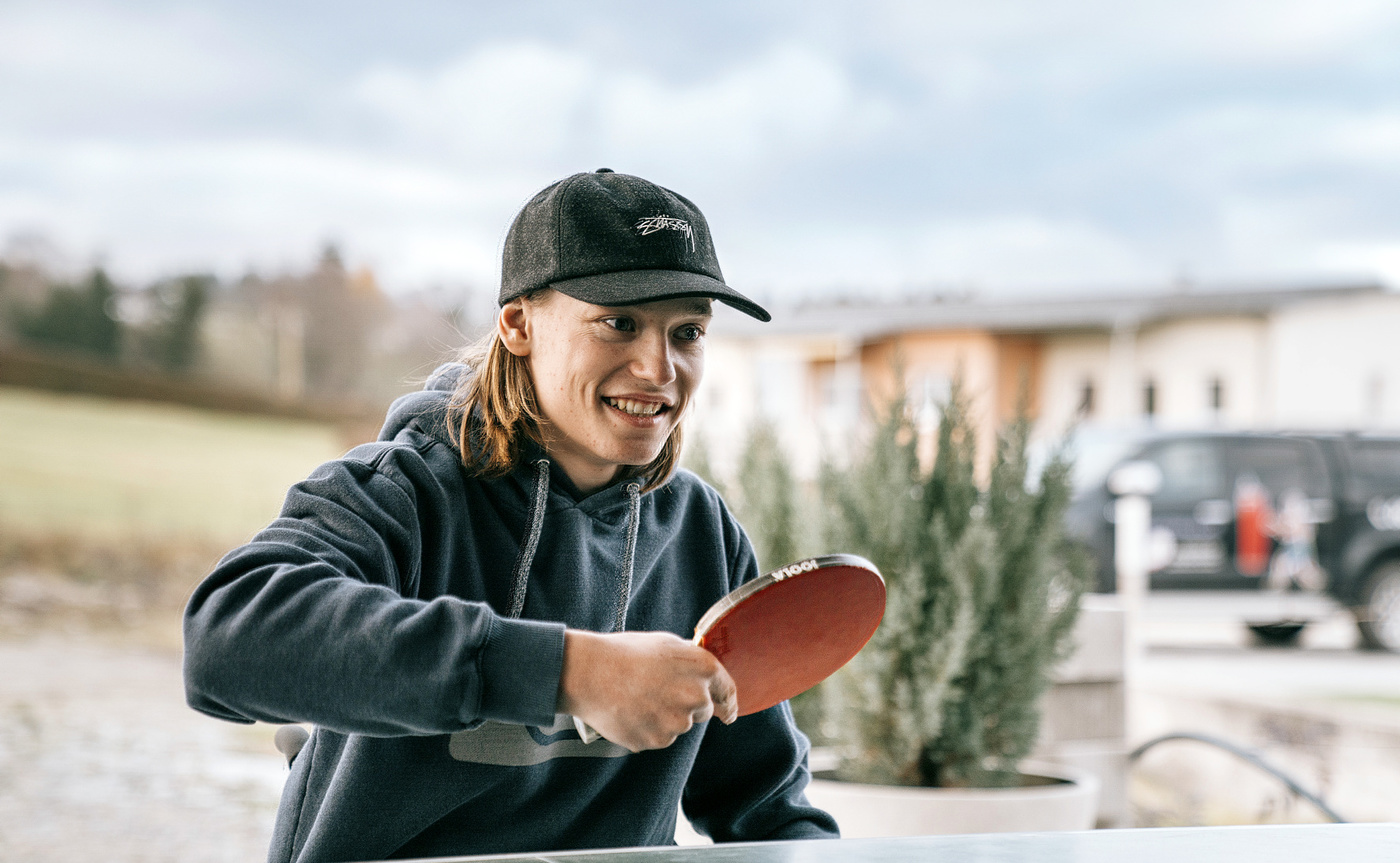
x: 991, y: 146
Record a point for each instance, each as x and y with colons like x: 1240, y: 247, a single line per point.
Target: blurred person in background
x: 1294, y: 564
x: 517, y: 559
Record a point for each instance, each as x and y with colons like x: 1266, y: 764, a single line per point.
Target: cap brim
x: 629, y: 287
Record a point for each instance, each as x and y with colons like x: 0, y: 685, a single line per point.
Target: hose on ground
x: 1247, y: 756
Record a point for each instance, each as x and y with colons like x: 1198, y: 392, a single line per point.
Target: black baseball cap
x: 614, y: 240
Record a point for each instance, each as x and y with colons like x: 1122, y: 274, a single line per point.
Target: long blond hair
x: 495, y: 412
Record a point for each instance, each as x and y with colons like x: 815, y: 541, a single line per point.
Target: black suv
x: 1351, y: 485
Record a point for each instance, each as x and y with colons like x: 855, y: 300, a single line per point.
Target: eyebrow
x: 700, y: 307
x: 690, y: 306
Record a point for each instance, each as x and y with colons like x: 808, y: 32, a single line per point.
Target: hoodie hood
x: 427, y: 410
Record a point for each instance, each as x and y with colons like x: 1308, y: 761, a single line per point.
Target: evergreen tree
x: 78, y: 318
x: 890, y: 702
x: 696, y: 458
x: 1025, y: 608
x: 983, y: 589
x: 767, y: 500
x: 174, y: 338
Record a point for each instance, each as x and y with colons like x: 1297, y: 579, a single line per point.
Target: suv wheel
x: 1379, y: 616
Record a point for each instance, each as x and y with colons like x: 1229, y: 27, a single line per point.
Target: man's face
x: 611, y: 381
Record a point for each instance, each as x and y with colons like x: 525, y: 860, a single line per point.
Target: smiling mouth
x: 636, y: 408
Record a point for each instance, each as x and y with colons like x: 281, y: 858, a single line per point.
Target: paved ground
x: 1216, y: 619
x: 1196, y: 642
x: 100, y: 759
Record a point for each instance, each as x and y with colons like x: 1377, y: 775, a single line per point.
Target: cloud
x: 1108, y: 34
x: 1250, y: 32
x: 1005, y: 142
x: 1027, y: 250
x: 528, y: 101
x: 517, y: 101
x: 784, y: 106
x: 266, y: 203
x: 1370, y: 139
x: 1018, y: 251
x: 81, y: 67
x: 1377, y: 258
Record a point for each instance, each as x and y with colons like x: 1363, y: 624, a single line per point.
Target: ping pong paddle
x: 784, y: 632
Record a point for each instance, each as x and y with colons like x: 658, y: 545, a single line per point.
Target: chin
x: 635, y: 458
x: 638, y: 461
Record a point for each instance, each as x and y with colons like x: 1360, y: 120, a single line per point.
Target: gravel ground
x: 101, y: 759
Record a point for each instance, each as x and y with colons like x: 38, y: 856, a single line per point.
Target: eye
x: 621, y: 324
x: 690, y: 333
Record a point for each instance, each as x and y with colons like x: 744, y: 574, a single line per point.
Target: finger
x: 725, y: 696
x: 726, y: 711
x: 730, y: 711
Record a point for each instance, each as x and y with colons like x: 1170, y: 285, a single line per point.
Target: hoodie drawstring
x: 538, y: 504
x: 634, y: 517
x: 521, y: 576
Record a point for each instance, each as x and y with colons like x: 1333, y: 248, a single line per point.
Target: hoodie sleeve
x: 312, y: 620
x: 749, y: 780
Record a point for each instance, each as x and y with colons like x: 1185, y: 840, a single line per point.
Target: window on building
x: 1086, y: 399
x: 1149, y: 398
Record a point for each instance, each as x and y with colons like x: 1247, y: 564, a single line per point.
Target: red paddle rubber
x: 783, y: 633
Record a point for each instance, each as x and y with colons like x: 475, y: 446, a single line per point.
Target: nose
x: 652, y: 360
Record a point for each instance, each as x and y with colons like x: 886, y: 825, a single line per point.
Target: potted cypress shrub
x: 942, y: 706
x: 769, y: 503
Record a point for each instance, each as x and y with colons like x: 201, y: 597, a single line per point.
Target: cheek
x: 550, y: 378
x: 570, y: 378
x: 691, y: 370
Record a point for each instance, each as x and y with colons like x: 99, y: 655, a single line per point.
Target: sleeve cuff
x: 520, y: 667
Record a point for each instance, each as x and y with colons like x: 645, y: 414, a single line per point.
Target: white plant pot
x: 1067, y: 800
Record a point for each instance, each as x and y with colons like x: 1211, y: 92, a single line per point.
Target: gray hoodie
x: 415, y: 615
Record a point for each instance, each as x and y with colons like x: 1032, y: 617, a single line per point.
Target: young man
x: 515, y: 557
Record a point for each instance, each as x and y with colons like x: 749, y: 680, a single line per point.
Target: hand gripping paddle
x: 784, y: 632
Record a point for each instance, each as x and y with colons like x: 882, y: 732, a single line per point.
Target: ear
x: 513, y: 325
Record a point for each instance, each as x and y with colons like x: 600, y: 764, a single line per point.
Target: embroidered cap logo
x: 652, y: 224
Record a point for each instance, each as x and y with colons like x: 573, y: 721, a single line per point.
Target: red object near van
x: 1253, y: 545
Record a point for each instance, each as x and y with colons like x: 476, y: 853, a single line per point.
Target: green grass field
x: 91, y: 467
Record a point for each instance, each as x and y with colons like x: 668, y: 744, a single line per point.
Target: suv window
x: 1191, y: 471
x: 1376, y: 466
x: 1282, y: 465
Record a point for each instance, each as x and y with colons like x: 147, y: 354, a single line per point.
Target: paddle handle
x: 585, y: 731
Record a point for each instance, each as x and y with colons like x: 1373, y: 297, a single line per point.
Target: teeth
x: 640, y: 409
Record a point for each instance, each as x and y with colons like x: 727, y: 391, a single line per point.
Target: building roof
x: 864, y: 319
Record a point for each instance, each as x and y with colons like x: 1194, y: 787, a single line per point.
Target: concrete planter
x: 1053, y: 798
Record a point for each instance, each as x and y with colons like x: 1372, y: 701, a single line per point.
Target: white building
x: 1314, y: 356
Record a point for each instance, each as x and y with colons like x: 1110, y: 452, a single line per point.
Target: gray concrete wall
x: 1084, y: 724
